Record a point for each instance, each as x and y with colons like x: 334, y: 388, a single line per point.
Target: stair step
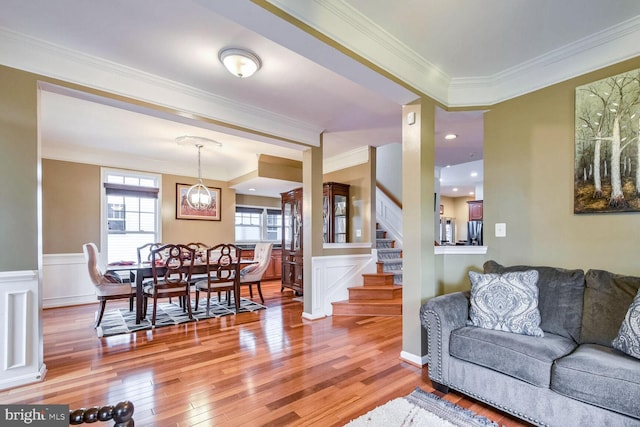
x: 371, y: 292
x: 368, y: 308
x: 384, y: 243
x: 378, y: 279
x: 390, y: 264
x: 381, y: 234
x: 389, y: 253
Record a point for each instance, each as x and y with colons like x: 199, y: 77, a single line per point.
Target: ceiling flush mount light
x: 450, y: 136
x: 198, y: 195
x: 241, y: 63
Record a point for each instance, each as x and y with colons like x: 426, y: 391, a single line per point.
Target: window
x: 131, y: 214
x: 258, y: 224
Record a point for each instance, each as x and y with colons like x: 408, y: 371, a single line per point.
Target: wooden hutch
x: 335, y: 229
x: 335, y: 212
x: 292, y: 261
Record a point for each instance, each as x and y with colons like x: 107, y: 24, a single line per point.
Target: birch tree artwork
x: 607, y: 145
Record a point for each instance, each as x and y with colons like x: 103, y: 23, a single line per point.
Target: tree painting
x: 607, y: 145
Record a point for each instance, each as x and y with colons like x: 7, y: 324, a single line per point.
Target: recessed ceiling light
x: 450, y: 136
x: 471, y: 193
x: 252, y: 189
x: 448, y: 166
x: 474, y: 174
x: 455, y: 189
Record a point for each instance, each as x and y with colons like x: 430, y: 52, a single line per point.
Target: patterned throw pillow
x: 628, y: 339
x: 506, y: 302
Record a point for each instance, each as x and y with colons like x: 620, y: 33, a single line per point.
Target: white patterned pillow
x: 628, y: 339
x: 506, y: 302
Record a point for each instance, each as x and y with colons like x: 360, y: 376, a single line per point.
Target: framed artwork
x: 607, y: 145
x: 184, y: 211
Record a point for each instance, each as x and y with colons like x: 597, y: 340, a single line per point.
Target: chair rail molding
x: 389, y: 216
x: 21, y: 352
x: 331, y: 278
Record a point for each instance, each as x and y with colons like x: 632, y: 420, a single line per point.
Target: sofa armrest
x: 439, y: 317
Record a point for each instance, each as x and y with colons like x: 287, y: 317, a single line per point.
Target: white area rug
x: 420, y: 409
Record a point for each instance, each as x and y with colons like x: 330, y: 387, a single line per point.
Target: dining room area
x: 196, y: 281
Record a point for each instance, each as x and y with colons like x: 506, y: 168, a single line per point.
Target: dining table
x: 143, y: 271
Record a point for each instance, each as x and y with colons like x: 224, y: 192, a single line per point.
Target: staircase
x: 381, y: 293
x: 389, y: 258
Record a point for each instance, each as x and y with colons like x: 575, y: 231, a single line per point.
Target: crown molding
x: 351, y: 158
x: 51, y: 60
x: 349, y: 27
x: 599, y: 50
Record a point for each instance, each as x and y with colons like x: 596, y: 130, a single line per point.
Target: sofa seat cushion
x: 601, y: 376
x: 524, y: 357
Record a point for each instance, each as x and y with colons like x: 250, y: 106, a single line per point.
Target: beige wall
x: 18, y: 170
x: 360, y: 203
x: 528, y: 184
x: 70, y: 206
x: 249, y: 200
x: 189, y: 230
x: 67, y: 226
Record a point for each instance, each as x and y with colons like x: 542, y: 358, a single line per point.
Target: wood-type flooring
x: 269, y: 368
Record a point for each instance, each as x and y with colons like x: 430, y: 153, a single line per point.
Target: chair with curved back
x: 171, y: 272
x: 107, y: 286
x: 201, y: 255
x: 252, y: 274
x: 144, y: 251
x: 223, y: 270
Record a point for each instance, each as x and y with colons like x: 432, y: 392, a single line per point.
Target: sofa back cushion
x: 606, y: 301
x: 559, y: 300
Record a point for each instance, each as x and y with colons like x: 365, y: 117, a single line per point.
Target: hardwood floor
x: 268, y: 368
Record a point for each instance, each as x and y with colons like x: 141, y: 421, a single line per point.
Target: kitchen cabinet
x: 475, y: 210
x: 335, y: 212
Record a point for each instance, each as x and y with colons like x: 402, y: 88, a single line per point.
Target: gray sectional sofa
x: 572, y: 376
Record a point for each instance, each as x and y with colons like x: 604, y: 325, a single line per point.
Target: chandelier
x: 198, y: 195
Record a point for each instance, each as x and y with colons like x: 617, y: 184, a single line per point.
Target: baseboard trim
x: 414, y: 359
x: 310, y: 316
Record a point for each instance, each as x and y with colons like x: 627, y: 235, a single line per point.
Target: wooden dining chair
x: 171, y: 273
x: 107, y: 287
x: 201, y: 255
x: 252, y: 274
x: 223, y: 273
x: 144, y: 252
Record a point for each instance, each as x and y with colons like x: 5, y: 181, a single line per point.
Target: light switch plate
x: 501, y: 229
x: 411, y: 117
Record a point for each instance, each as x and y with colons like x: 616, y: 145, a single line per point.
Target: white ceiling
x: 164, y: 52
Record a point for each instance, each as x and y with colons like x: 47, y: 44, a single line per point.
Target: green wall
x: 528, y: 184
x: 19, y: 187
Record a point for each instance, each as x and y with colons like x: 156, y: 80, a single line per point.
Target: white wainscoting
x: 332, y: 276
x: 21, y: 335
x: 65, y: 281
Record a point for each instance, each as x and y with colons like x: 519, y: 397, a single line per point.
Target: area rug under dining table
x: 421, y: 409
x: 123, y: 321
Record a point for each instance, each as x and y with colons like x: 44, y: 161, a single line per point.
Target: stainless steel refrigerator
x: 447, y: 231
x: 474, y: 233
